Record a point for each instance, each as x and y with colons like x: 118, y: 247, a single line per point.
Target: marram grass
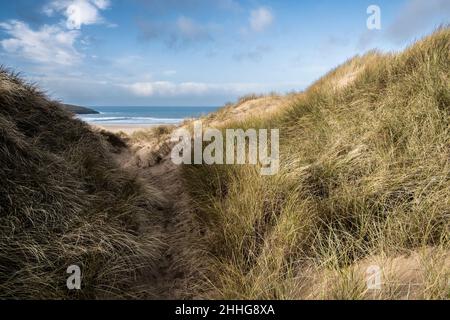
x: 364, y: 181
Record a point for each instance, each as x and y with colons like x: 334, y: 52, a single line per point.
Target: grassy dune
x: 64, y: 201
x: 364, y: 180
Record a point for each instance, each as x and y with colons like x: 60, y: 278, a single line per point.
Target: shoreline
x: 127, y: 128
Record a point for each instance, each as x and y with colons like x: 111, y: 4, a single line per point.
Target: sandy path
x: 180, y: 267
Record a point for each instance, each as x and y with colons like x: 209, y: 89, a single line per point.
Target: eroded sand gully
x: 182, y: 264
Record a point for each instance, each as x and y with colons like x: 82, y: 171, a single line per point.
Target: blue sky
x: 195, y: 52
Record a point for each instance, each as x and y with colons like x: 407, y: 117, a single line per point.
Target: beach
x: 125, y: 128
x: 131, y: 119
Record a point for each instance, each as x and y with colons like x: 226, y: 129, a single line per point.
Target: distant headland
x: 79, y: 110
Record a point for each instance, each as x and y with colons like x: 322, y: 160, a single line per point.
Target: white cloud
x: 102, y: 4
x: 148, y: 89
x: 49, y: 44
x: 189, y: 31
x: 165, y: 88
x: 417, y: 15
x: 180, y: 34
x: 171, y: 89
x: 54, y: 44
x: 260, y: 19
x: 415, y: 19
x: 79, y: 12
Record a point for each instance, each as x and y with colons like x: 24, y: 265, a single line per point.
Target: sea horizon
x: 144, y: 115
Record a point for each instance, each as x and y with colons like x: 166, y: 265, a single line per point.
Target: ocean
x: 144, y: 115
